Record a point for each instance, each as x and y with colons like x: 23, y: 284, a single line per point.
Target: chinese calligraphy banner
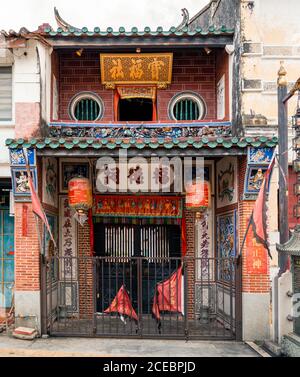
x: 138, y: 206
x: 136, y: 68
x: 256, y: 256
x: 68, y: 242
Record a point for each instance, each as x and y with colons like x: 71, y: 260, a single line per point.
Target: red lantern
x: 80, y: 194
x: 198, y: 195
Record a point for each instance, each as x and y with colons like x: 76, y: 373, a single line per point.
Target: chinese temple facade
x: 143, y: 116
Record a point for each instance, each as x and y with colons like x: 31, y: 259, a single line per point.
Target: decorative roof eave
x: 191, y: 143
x: 292, y: 246
x: 159, y: 41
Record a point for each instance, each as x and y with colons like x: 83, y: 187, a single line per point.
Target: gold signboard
x: 136, y: 69
x: 137, y: 91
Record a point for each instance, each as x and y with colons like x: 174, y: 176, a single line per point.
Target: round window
x: 86, y: 106
x: 187, y: 106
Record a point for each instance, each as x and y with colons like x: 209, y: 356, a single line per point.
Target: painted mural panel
x: 226, y: 242
x: 50, y: 181
x: 226, y: 181
x: 17, y: 157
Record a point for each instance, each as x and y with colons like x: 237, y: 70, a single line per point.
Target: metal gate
x: 144, y: 296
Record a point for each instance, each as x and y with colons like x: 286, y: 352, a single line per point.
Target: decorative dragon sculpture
x: 185, y: 21
x: 62, y: 23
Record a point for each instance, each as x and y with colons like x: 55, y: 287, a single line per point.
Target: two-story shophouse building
x: 148, y: 119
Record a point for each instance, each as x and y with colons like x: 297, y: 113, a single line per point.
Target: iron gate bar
x: 142, y: 275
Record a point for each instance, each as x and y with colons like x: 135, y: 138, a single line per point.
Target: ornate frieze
x: 138, y: 131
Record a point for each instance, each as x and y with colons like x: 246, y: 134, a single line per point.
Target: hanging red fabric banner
x: 121, y: 304
x: 142, y: 206
x: 168, y: 294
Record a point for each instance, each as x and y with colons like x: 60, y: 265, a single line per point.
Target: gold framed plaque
x: 136, y: 69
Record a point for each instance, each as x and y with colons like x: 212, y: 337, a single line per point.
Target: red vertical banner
x: 24, y: 220
x: 256, y: 256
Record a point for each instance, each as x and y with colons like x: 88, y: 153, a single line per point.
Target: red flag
x: 168, y: 295
x: 121, y: 304
x: 259, y: 214
x: 37, y: 208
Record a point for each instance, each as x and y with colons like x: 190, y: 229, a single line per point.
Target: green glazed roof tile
x: 227, y: 144
x: 153, y: 145
x: 256, y: 144
x: 242, y: 143
x: 141, y: 143
x: 134, y: 31
x: 212, y: 144
x: 8, y: 141
x: 198, y: 144
x: 54, y: 144
x: 69, y: 145
x: 33, y: 141
x: 40, y: 145
x: 97, y: 145
x: 182, y: 145
x: 83, y: 145
x: 111, y: 145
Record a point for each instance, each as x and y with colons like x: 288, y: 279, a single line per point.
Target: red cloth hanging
x: 121, y: 304
x: 116, y: 105
x: 168, y: 295
x: 91, y: 224
x: 154, y: 111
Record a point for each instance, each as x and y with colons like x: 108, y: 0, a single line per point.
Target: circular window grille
x: 86, y: 106
x: 187, y: 106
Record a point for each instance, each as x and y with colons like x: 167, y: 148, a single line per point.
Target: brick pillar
x: 190, y: 240
x: 85, y: 269
x: 27, y: 268
x: 255, y: 271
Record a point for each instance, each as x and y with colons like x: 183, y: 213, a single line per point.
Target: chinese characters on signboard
x: 68, y: 267
x: 256, y: 254
x: 136, y: 68
x: 136, y: 176
x: 138, y: 206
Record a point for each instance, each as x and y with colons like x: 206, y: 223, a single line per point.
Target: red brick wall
x: 292, y: 197
x: 191, y: 71
x: 85, y: 270
x: 190, y: 267
x: 258, y: 283
x: 27, y: 260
